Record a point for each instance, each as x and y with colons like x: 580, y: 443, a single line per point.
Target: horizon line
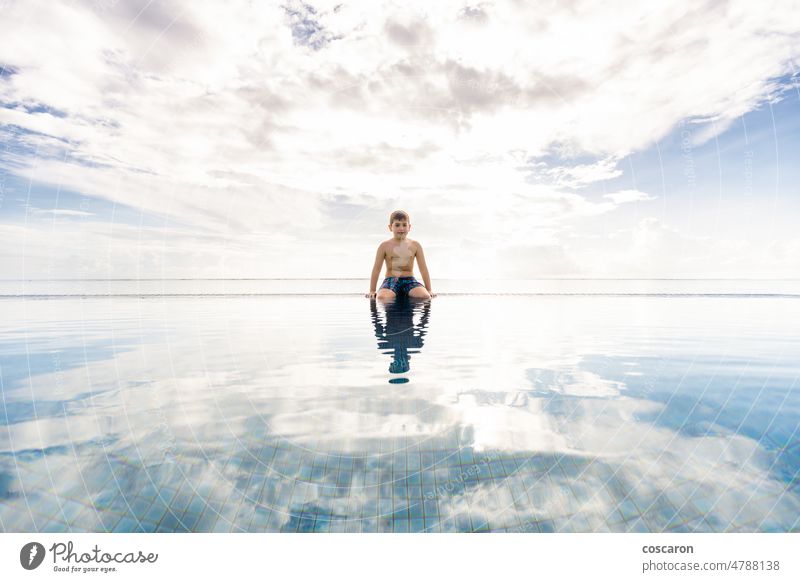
x: 440, y: 279
x: 48, y: 296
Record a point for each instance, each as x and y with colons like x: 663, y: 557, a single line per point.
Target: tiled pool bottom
x: 416, y: 488
x: 644, y: 415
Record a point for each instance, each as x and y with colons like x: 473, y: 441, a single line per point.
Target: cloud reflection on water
x: 275, y: 414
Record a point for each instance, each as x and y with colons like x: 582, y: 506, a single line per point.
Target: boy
x: 399, y: 253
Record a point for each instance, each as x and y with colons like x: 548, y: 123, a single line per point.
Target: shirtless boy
x: 398, y: 253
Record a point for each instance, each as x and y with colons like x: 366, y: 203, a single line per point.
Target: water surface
x: 531, y: 413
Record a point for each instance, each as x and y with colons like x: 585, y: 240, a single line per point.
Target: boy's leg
x: 388, y: 288
x: 386, y: 294
x: 419, y: 293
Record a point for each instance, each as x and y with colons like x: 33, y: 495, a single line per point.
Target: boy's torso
x: 399, y: 257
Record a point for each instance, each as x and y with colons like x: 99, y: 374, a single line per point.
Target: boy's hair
x: 399, y: 215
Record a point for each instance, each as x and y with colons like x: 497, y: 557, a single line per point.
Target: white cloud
x: 651, y: 248
x: 60, y: 212
x: 578, y: 175
x: 624, y: 196
x: 249, y: 118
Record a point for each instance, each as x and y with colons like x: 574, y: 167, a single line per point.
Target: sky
x: 160, y: 139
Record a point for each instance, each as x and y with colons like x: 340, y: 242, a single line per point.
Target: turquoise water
x: 526, y: 413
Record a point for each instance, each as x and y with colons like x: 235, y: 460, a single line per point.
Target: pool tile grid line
x: 794, y: 483
x: 405, y: 492
x: 695, y: 405
x: 738, y: 431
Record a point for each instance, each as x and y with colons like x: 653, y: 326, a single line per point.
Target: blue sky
x: 172, y: 139
x: 722, y: 186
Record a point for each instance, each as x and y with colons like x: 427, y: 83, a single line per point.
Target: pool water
x: 472, y: 413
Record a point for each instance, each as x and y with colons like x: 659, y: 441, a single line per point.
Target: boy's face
x: 400, y: 228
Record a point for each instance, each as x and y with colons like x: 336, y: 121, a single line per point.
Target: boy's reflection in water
x: 399, y: 335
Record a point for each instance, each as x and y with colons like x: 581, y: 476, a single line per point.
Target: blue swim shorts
x: 400, y: 285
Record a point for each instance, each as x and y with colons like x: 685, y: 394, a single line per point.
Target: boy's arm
x: 423, y: 269
x: 376, y: 270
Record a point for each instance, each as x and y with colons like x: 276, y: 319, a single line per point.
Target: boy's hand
x: 371, y: 294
